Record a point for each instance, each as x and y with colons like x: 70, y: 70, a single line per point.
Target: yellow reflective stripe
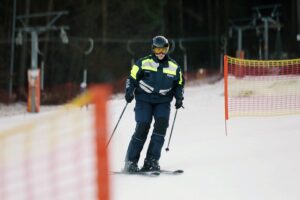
x: 171, y: 64
x: 134, y: 71
x: 149, y: 64
x: 168, y: 71
x: 149, y: 68
x: 147, y: 60
x: 171, y: 69
x: 180, y: 78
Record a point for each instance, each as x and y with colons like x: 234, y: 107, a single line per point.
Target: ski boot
x: 131, y: 167
x: 150, y: 165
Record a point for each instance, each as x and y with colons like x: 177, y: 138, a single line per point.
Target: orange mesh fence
x: 60, y: 156
x: 261, y: 87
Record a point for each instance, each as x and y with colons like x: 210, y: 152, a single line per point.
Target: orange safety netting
x: 61, y: 155
x: 261, y: 87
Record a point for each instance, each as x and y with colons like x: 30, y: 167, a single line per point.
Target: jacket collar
x: 165, y: 59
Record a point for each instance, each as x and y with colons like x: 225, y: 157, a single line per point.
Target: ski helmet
x: 160, y: 42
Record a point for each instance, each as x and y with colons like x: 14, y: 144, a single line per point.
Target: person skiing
x: 153, y: 81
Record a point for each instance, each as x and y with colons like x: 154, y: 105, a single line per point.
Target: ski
x: 171, y: 172
x: 150, y: 174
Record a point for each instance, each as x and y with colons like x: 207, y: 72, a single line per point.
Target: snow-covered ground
x: 259, y: 159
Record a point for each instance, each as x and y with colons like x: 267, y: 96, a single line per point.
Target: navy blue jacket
x: 155, y: 81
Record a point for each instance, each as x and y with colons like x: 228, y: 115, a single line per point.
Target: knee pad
x: 141, y: 130
x: 160, y: 126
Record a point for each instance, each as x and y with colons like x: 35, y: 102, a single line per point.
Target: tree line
x: 121, y: 33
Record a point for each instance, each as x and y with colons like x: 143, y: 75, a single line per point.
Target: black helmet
x: 160, y: 42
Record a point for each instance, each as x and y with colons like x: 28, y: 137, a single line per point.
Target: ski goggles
x: 158, y: 50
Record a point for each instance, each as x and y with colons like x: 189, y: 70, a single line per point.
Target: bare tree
x: 104, y: 20
x: 298, y: 16
x: 210, y: 17
x: 45, y: 50
x: 217, y: 30
x: 180, y: 15
x: 23, y: 60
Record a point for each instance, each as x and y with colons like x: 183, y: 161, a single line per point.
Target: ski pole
x: 167, y: 149
x: 117, y: 125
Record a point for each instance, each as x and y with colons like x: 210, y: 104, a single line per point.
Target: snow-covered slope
x: 259, y: 159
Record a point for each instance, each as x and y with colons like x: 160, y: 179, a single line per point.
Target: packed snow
x: 258, y: 159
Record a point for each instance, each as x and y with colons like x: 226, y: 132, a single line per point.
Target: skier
x: 154, y: 80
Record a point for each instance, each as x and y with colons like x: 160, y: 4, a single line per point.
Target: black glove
x: 129, y: 96
x: 178, y: 103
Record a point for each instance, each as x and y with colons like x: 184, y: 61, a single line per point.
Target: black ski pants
x: 144, y: 113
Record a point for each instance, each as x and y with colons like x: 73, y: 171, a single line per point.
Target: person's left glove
x: 178, y: 103
x: 129, y: 96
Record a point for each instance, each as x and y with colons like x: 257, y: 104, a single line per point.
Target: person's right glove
x: 129, y: 96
